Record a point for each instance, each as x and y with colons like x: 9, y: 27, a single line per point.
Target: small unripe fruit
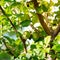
x: 35, y: 36
x: 26, y: 34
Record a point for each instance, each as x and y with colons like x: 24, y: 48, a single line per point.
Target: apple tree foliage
x: 29, y: 29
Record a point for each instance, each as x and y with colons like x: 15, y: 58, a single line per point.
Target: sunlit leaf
x: 56, y: 47
x: 17, y: 42
x: 47, y: 40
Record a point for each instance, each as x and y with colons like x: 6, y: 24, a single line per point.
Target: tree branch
x: 44, y: 25
x: 41, y: 20
x: 8, y: 18
x: 23, y: 40
x: 57, y: 30
x: 34, y: 28
x: 8, y: 47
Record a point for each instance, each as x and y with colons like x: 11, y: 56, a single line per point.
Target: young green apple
x: 26, y: 34
x: 35, y: 36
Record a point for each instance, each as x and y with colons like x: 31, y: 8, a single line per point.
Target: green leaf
x: 4, y: 56
x: 8, y: 9
x: 56, y: 47
x: 2, y: 2
x: 33, y: 46
x: 35, y: 57
x: 25, y: 9
x: 43, y: 33
x: 47, y: 50
x: 47, y: 40
x: 17, y: 42
x: 0, y: 42
x: 42, y: 55
x: 20, y: 46
x: 9, y: 0
x: 45, y: 9
x: 39, y: 10
x: 14, y: 4
x: 58, y: 55
x: 58, y: 37
x: 25, y: 23
x: 40, y: 39
x: 9, y: 39
x: 34, y: 18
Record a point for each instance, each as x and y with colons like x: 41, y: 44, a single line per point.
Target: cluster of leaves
x: 22, y: 14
